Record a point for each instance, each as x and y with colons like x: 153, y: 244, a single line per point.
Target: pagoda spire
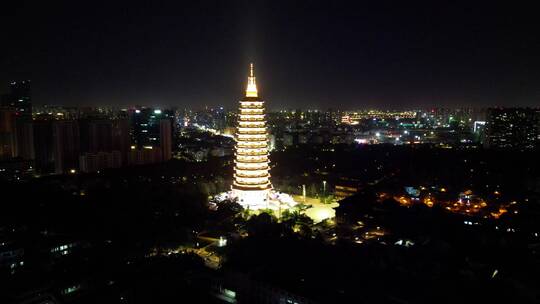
x: 251, y: 90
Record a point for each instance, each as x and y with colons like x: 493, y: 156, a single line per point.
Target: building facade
x: 165, y: 138
x: 8, y: 134
x: 66, y: 143
x: 19, y: 99
x: 512, y: 128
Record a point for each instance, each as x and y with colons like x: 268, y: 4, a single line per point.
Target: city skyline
x: 314, y: 55
x: 269, y: 151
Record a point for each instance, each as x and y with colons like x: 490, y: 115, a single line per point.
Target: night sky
x: 307, y: 54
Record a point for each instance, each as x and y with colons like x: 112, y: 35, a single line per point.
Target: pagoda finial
x: 251, y: 90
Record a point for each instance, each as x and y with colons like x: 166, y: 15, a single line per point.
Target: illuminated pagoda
x: 251, y: 187
x: 251, y: 184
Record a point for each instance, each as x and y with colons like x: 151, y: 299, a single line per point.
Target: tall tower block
x: 251, y: 171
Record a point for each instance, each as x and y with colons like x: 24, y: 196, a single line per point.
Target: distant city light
x: 222, y: 242
x: 361, y: 140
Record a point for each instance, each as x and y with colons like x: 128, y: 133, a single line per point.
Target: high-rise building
x: 66, y: 144
x: 105, y: 135
x: 100, y: 136
x: 104, y: 143
x: 121, y: 138
x: 152, y: 136
x: 93, y: 162
x: 146, y: 127
x: 144, y: 156
x: 19, y: 98
x: 251, y: 184
x: 8, y: 133
x: 44, y: 146
x: 512, y: 128
x: 25, y: 138
x: 165, y: 138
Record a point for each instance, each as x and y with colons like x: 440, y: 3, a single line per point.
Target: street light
x: 324, y: 190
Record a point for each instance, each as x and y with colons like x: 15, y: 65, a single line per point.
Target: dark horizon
x: 306, y: 54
